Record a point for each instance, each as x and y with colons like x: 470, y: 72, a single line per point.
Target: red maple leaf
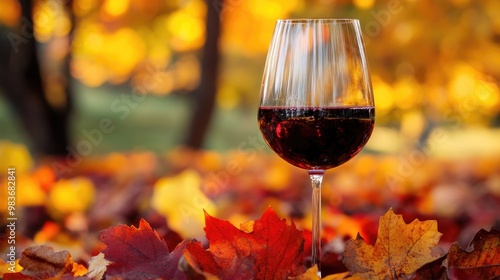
x: 139, y: 253
x: 270, y: 249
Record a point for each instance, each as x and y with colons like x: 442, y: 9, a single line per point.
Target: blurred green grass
x: 155, y: 124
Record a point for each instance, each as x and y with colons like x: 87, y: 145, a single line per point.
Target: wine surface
x: 316, y: 138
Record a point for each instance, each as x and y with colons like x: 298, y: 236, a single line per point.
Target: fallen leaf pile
x: 269, y: 248
x: 96, y: 213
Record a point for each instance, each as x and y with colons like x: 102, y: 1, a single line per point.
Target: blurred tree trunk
x: 204, y: 96
x: 21, y: 81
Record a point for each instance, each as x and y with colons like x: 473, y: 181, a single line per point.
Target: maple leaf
x: 481, y: 259
x: 400, y: 249
x: 139, y: 253
x: 271, y: 249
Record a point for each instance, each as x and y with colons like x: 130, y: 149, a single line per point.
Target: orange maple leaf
x: 400, y: 249
x: 481, y: 260
x: 269, y: 248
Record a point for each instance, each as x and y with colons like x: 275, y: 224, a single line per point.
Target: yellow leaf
x: 16, y: 156
x: 181, y: 200
x: 400, y: 249
x: 32, y: 193
x: 72, y: 195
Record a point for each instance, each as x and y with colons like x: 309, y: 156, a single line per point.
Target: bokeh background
x: 148, y: 109
x: 433, y: 64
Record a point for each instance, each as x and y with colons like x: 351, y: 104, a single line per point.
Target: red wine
x: 316, y: 138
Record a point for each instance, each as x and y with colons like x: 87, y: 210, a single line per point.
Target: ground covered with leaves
x: 245, y: 215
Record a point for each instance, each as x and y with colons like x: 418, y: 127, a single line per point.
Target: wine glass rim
x: 318, y: 20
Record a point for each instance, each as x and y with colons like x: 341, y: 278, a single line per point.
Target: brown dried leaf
x: 42, y: 262
x: 481, y: 260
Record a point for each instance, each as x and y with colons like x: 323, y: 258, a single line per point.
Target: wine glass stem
x: 316, y: 179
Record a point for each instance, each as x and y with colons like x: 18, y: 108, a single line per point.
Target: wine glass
x: 316, y: 102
